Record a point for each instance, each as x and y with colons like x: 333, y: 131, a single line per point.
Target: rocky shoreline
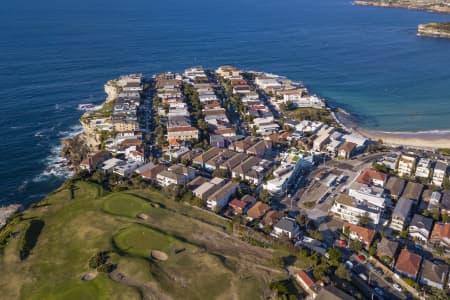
x: 87, y: 142
x: 437, y: 30
x: 431, y: 7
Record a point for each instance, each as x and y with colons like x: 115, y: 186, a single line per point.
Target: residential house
x: 188, y: 172
x: 359, y: 233
x: 413, y: 191
x: 95, y: 161
x: 346, y: 150
x: 258, y: 210
x: 434, y: 274
x: 401, y: 214
x: 440, y: 236
x: 221, y: 197
x: 228, y: 72
x: 286, y: 227
x: 271, y: 218
x: 196, y: 182
x: 260, y: 148
x: 307, y: 283
x: 372, y: 195
x: 208, y: 188
x: 423, y: 168
x: 110, y: 164
x: 387, y: 249
x: 395, y: 186
x: 126, y: 169
x: 238, y: 206
x: 234, y: 161
x: 253, y: 169
x: 370, y: 176
x: 201, y: 159
x: 151, y: 173
x: 166, y: 178
x: 185, y: 133
x: 439, y: 173
x: 406, y: 165
x: 348, y: 209
x: 420, y: 228
x: 445, y: 203
x: 390, y: 160
x: 332, y: 293
x: 435, y: 199
x: 408, y: 264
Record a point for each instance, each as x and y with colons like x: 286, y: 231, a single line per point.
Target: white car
x: 397, y: 287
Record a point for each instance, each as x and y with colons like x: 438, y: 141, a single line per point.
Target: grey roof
x: 387, y: 248
x: 395, y: 186
x: 332, y: 293
x: 420, y: 221
x: 287, y: 224
x: 434, y: 272
x: 441, y: 166
x: 413, y: 191
x: 402, y: 208
x: 445, y: 201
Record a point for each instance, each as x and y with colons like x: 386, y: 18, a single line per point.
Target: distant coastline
x: 431, y: 7
x: 436, y: 30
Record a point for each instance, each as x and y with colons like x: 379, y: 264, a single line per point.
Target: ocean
x: 54, y: 56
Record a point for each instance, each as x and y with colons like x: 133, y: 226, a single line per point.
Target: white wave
x: 57, y: 166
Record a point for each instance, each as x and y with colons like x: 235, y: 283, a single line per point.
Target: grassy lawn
x: 311, y: 114
x: 140, y: 240
x: 212, y: 265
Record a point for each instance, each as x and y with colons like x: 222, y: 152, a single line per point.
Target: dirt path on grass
x: 150, y: 291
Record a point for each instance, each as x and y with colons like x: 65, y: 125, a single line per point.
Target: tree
x: 355, y: 246
x: 315, y: 235
x: 404, y: 233
x: 319, y: 271
x: 264, y: 196
x: 364, y: 219
x: 346, y: 231
x: 444, y: 217
x: 373, y: 249
x: 342, y: 272
x: 335, y: 256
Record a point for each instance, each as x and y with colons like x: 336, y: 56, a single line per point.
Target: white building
x: 406, y: 165
x: 423, y: 168
x: 369, y: 195
x: 440, y: 172
x: 348, y: 209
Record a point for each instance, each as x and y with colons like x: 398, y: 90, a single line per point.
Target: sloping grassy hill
x: 48, y: 249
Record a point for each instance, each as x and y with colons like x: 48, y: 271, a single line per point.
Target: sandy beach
x: 421, y: 139
x: 432, y: 139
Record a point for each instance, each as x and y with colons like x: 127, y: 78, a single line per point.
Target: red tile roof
x: 369, y: 174
x: 439, y: 232
x: 366, y: 234
x: 408, y: 262
x: 235, y: 203
x: 307, y: 280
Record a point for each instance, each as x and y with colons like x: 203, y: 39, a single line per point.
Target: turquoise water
x: 54, y: 56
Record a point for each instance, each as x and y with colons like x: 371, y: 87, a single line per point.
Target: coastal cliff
x: 439, y: 30
x: 89, y: 140
x: 428, y: 5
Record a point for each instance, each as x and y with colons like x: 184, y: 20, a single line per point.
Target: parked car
x: 361, y: 258
x: 397, y: 287
x: 378, y: 291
